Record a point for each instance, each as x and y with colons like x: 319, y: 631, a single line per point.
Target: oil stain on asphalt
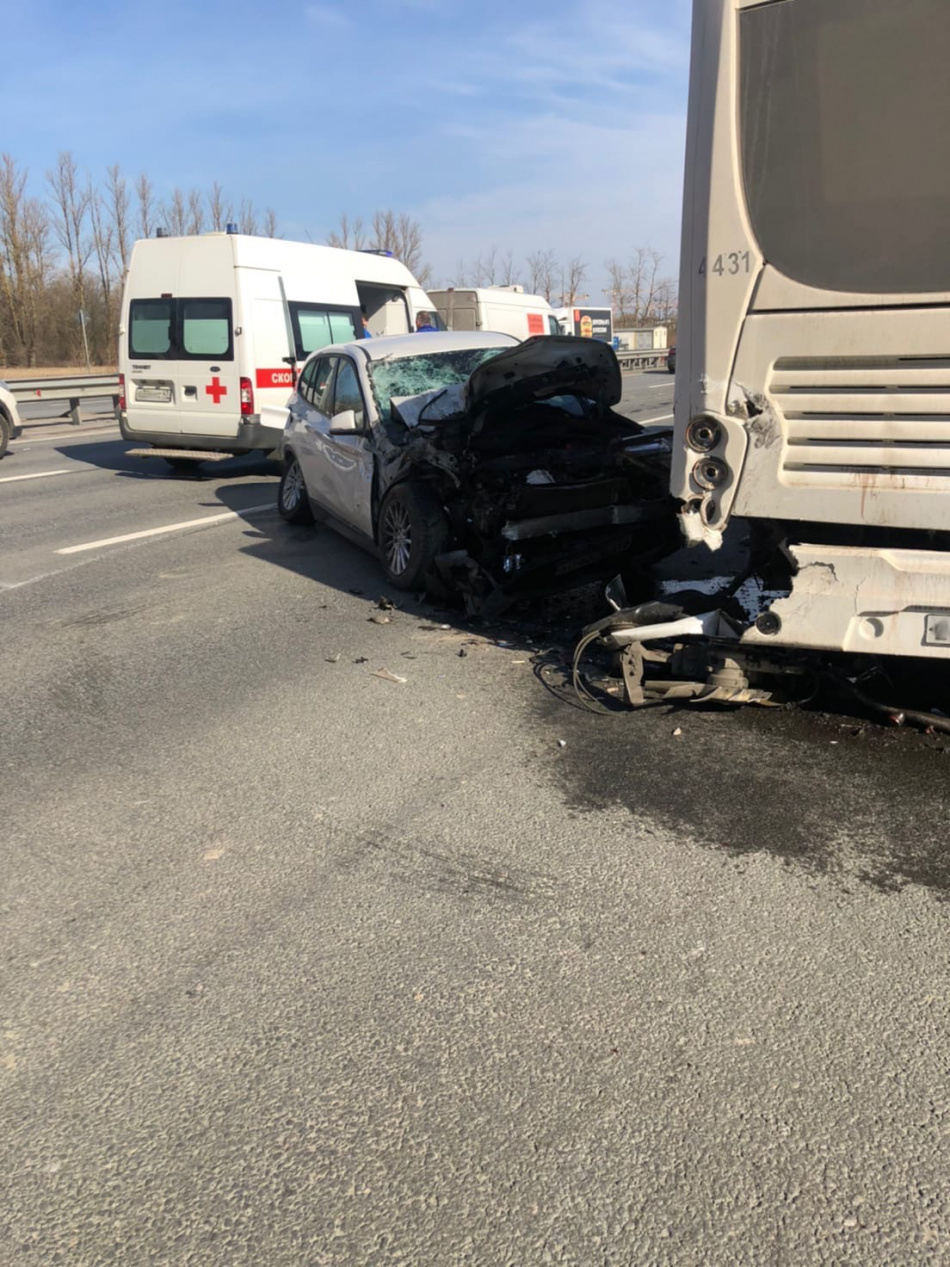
x: 833, y: 796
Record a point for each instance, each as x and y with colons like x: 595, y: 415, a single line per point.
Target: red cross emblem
x: 217, y: 390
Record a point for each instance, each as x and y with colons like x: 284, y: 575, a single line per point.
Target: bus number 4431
x: 729, y: 265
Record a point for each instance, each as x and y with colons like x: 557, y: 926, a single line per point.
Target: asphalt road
x: 305, y: 966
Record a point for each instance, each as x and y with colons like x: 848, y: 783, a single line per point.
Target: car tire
x: 6, y: 431
x: 292, y: 500
x: 412, y: 532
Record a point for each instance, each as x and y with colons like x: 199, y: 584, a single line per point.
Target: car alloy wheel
x: 292, y: 489
x: 292, y: 500
x: 397, y: 538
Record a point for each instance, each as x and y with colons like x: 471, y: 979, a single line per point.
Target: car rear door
x: 348, y: 470
x: 338, y: 469
x: 311, y: 423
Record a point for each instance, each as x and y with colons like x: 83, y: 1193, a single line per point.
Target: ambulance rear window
x: 150, y: 326
x: 181, y: 329
x: 206, y: 327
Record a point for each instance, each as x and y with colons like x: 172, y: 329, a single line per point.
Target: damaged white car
x: 472, y: 462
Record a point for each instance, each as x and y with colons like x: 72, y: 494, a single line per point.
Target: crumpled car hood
x: 547, y: 365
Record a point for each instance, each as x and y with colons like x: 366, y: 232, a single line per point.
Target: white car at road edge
x: 10, y: 425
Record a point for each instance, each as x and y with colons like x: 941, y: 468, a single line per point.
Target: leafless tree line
x: 65, y: 253
x: 540, y: 274
x: 639, y: 292
x: 386, y: 230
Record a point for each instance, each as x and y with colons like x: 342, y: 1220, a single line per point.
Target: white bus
x: 813, y: 385
x: 212, y: 326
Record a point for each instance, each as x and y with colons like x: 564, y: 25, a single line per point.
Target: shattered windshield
x: 412, y: 375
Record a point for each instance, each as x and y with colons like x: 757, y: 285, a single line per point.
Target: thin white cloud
x: 327, y: 15
x: 592, y: 190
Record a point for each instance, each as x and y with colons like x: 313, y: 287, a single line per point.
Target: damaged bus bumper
x: 843, y: 601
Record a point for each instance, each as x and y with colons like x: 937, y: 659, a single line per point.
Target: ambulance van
x: 213, y: 326
x: 503, y: 309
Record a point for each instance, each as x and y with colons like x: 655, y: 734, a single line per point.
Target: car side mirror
x: 344, y: 423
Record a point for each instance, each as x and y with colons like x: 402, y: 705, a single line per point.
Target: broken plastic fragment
x: 390, y: 677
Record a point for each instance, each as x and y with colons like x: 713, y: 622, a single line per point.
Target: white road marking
x: 661, y: 387
x: 645, y: 422
x: 37, y: 475
x: 206, y: 521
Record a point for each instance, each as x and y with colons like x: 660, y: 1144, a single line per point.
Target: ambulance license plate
x: 155, y: 395
x: 937, y: 629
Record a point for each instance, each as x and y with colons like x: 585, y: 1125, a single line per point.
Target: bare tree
x: 102, y: 231
x: 489, y: 267
x: 461, y: 275
x: 196, y: 211
x: 117, y: 194
x: 643, y: 272
x: 24, y: 263
x: 619, y: 290
x: 247, y: 217
x: 219, y: 208
x: 270, y: 223
x: 175, y: 213
x: 349, y: 234
x: 146, y: 200
x: 403, y: 236
x: 72, y: 205
x: 572, y: 281
x: 542, y: 267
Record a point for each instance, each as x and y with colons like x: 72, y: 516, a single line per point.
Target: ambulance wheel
x: 413, y: 531
x: 292, y: 500
x: 6, y: 431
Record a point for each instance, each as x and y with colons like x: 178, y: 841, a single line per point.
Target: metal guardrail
x: 643, y: 359
x: 74, y: 389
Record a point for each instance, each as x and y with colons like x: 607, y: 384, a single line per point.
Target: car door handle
x: 191, y: 393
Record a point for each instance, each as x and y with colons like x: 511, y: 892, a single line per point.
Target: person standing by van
x: 424, y: 323
x: 367, y: 332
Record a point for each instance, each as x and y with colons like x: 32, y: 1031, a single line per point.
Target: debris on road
x: 379, y: 619
x: 335, y: 658
x: 390, y: 677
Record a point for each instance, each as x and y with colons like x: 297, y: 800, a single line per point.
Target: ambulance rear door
x: 209, y: 382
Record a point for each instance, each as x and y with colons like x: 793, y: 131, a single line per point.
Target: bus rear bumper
x: 862, y: 601
x: 880, y: 602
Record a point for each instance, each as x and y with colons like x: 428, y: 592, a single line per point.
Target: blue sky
x: 521, y: 125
